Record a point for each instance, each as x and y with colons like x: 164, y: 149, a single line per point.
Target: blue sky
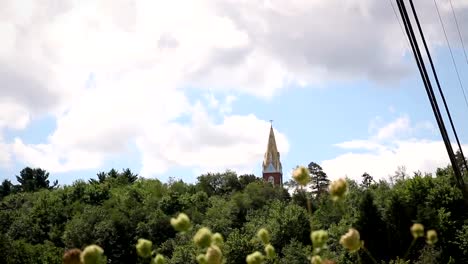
x: 195, y: 93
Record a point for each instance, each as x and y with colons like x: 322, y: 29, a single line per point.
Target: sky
x: 180, y: 88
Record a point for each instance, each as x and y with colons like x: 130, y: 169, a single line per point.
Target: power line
x: 438, y: 83
x: 458, y: 29
x: 430, y: 93
x: 399, y: 22
x: 451, y: 53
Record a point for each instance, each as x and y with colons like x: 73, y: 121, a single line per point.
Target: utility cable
x: 399, y: 22
x: 458, y: 29
x: 451, y: 53
x: 438, y: 83
x: 430, y: 93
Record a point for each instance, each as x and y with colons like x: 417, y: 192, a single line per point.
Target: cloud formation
x: 393, y: 145
x: 145, y: 55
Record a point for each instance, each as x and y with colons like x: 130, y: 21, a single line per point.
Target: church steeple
x: 271, y: 167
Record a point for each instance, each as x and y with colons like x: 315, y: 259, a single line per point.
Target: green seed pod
x: 203, y: 237
x: 159, y: 259
x: 338, y: 189
x: 351, y: 240
x: 93, y: 254
x: 144, y: 248
x: 218, y: 239
x: 319, y: 238
x: 181, y: 223
x: 255, y: 258
x: 201, y: 259
x: 316, y: 260
x: 214, y: 255
x: 264, y: 236
x: 431, y: 237
x: 417, y: 230
x: 301, y: 175
x: 270, y: 251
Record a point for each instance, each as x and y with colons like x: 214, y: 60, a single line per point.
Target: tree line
x: 40, y: 220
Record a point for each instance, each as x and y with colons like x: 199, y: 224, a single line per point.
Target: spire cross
x: 271, y: 122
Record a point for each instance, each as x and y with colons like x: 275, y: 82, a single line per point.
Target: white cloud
x: 399, y: 127
x: 5, y: 154
x: 145, y: 54
x: 236, y: 143
x: 13, y: 115
x: 248, y: 46
x: 381, y: 155
x: 47, y: 156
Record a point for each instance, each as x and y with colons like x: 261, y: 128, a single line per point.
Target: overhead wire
x: 458, y: 29
x: 451, y: 54
x: 430, y: 93
x: 438, y: 83
x: 399, y: 22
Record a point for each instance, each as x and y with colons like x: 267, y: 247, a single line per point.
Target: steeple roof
x: 271, y: 161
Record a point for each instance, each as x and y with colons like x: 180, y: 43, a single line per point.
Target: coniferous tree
x: 372, y: 228
x: 460, y: 161
x: 31, y: 180
x: 319, y: 179
x: 6, y: 188
x: 367, y: 180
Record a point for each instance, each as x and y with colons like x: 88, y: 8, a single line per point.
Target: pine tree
x: 372, y: 228
x: 5, y: 188
x: 320, y: 181
x: 367, y: 180
x: 34, y: 179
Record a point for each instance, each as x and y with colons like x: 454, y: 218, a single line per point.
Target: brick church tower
x: 272, y: 169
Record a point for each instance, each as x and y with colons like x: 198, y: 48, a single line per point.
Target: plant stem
x: 309, y: 207
x: 369, y: 254
x: 409, y: 249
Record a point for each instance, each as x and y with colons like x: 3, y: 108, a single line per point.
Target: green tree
x: 6, y: 188
x: 219, y: 183
x: 31, y: 180
x: 116, y: 177
x: 319, y: 179
x: 367, y: 180
x: 372, y: 229
x: 246, y: 179
x: 461, y: 162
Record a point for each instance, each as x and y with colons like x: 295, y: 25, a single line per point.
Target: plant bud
x: 351, y: 240
x: 159, y: 259
x: 214, y: 255
x: 338, y: 189
x: 264, y: 236
x: 93, y: 254
x: 316, y: 260
x: 144, y: 248
x: 270, y: 251
x: 417, y: 230
x: 431, y: 237
x: 218, y: 239
x: 319, y: 238
x: 203, y: 237
x: 301, y: 175
x: 201, y: 259
x: 181, y: 223
x: 255, y: 258
x: 72, y: 256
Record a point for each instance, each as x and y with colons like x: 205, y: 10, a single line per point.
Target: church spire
x: 271, y: 162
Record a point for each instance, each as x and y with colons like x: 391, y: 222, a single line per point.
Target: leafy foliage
x: 320, y: 179
x: 40, y: 221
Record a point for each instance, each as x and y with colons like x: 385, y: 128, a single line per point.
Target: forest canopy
x: 40, y: 220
